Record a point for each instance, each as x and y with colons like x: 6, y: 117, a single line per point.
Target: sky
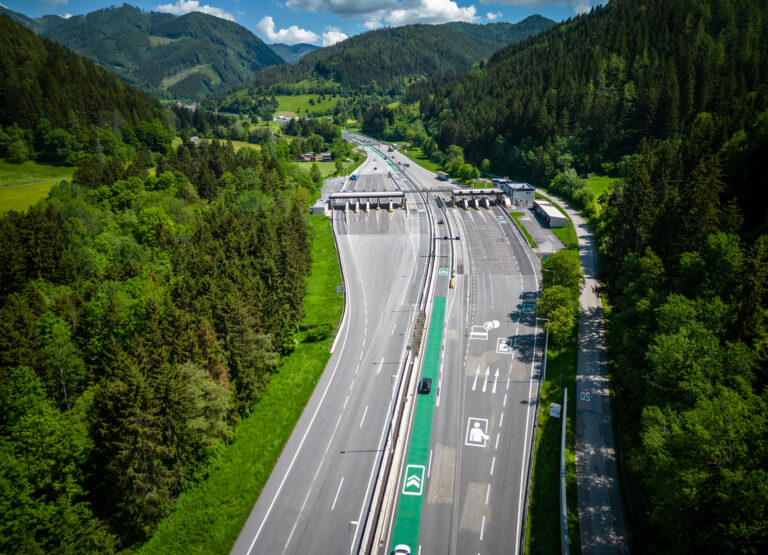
x: 324, y: 22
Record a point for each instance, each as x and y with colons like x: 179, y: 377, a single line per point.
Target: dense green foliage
x: 141, y: 316
x: 183, y: 57
x: 40, y: 79
x: 292, y: 53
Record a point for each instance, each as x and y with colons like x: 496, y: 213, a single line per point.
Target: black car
x: 440, y: 222
x: 425, y: 386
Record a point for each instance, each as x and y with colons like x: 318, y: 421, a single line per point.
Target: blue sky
x: 324, y: 22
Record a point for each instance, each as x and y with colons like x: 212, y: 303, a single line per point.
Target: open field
x: 598, y: 185
x: 208, y: 518
x: 22, y: 185
x: 32, y: 172
x: 298, y: 104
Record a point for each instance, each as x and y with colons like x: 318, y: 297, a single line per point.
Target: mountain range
x: 181, y: 57
x: 292, y: 53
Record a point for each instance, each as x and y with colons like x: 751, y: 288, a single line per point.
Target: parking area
x: 546, y: 241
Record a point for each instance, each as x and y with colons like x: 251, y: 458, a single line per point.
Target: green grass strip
x: 516, y: 217
x: 543, y: 529
x: 408, y: 515
x: 208, y: 518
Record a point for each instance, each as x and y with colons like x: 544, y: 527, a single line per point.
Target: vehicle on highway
x: 440, y: 222
x: 402, y: 549
x: 353, y: 177
x: 426, y: 385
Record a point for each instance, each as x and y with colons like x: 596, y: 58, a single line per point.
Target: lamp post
x: 546, y: 345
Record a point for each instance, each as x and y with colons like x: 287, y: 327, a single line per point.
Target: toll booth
x: 367, y: 199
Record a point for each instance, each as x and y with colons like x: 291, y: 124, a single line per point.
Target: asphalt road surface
x: 488, y: 379
x: 322, y: 483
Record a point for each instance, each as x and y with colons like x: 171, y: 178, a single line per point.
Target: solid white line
x: 439, y: 389
x: 487, y: 494
x: 337, y: 493
x: 485, y: 381
x: 393, y: 328
x: 482, y: 528
x: 364, y: 413
x: 493, y: 463
x: 345, y: 403
x: 429, y: 464
x: 501, y: 421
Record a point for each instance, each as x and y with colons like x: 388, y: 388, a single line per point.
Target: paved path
x: 601, y: 514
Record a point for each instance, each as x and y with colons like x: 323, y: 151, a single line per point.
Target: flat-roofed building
x: 520, y: 194
x: 551, y: 215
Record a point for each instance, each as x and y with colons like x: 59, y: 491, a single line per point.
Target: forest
x: 144, y: 305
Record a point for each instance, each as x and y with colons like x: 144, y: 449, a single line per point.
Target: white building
x: 520, y: 194
x: 551, y: 215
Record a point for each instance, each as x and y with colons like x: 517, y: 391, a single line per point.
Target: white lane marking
x: 393, y: 328
x: 504, y: 404
x: 351, y: 385
x: 337, y: 493
x: 487, y: 494
x: 497, y: 441
x: 429, y: 464
x: 439, y: 389
x: 525, y: 443
x: 501, y: 421
x: 482, y: 528
x: 495, y: 380
x: 485, y: 381
x: 366, y: 412
x: 379, y: 368
x: 493, y: 463
x: 345, y: 403
x: 474, y: 384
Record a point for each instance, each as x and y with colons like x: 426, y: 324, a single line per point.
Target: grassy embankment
x: 566, y: 234
x: 208, y: 518
x: 543, y: 529
x: 516, y: 217
x: 416, y: 155
x: 22, y: 185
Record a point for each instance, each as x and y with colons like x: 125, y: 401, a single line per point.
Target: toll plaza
x: 362, y: 200
x: 475, y: 198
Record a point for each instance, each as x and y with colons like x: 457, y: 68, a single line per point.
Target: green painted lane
x: 392, y: 166
x: 413, y: 486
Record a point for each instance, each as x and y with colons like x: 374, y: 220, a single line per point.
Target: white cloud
x: 291, y: 35
x: 394, y: 12
x: 491, y: 16
x: 182, y: 7
x: 579, y: 6
x: 332, y: 35
x: 67, y: 15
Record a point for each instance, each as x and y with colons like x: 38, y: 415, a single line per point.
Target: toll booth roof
x: 474, y: 192
x: 370, y: 194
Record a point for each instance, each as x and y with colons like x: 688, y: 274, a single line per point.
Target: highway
x: 482, y: 350
x: 317, y: 495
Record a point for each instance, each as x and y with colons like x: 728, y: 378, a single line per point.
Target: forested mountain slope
x: 183, y: 57
x: 41, y: 79
x: 672, y: 97
x: 387, y: 57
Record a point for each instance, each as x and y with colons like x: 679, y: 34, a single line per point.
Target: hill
x: 184, y: 57
x: 503, y: 32
x: 41, y: 79
x: 384, y: 58
x: 292, y: 53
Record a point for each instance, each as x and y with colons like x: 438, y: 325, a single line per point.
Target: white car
x: 402, y: 549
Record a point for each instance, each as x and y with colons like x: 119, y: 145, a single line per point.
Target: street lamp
x: 546, y: 345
